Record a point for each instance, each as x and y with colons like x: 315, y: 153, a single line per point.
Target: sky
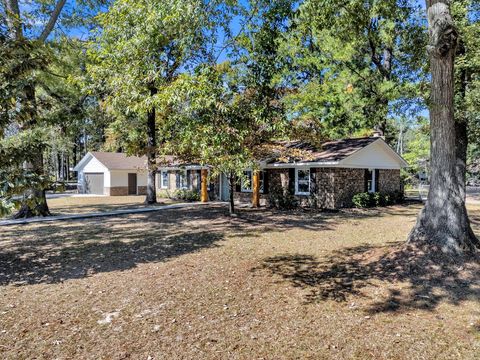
x: 83, y: 32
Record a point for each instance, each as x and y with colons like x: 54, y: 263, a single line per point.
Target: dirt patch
x: 197, y: 284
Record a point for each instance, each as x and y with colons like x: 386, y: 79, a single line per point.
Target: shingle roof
x: 331, y: 151
x: 120, y: 161
x: 285, y: 152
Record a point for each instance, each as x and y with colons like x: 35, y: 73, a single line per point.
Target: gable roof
x: 337, y: 152
x: 331, y: 151
x: 114, y: 161
x: 120, y: 161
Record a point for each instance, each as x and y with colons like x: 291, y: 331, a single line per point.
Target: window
x: 247, y: 187
x: 181, y: 179
x: 262, y: 180
x: 164, y: 179
x: 302, y: 181
x: 370, y: 174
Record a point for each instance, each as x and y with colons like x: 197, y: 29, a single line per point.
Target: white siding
x: 142, y: 178
x: 374, y: 156
x: 94, y: 166
x: 120, y: 178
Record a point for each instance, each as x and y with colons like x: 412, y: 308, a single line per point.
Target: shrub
x: 362, y: 200
x: 366, y: 200
x: 278, y: 198
x: 187, y: 195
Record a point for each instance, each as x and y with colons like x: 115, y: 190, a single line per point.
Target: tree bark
x: 52, y: 20
x: 34, y: 200
x: 443, y: 223
x: 151, y: 197
x: 461, y: 129
x: 13, y: 19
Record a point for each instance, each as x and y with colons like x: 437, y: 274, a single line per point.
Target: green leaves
x: 352, y: 63
x: 140, y: 53
x: 16, y: 177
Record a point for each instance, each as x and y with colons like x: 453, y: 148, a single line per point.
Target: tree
x: 443, y: 223
x: 226, y: 113
x: 139, y: 52
x: 417, y: 147
x: 467, y: 68
x: 26, y: 56
x: 354, y: 64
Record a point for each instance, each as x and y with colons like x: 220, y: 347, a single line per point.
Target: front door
x: 132, y: 184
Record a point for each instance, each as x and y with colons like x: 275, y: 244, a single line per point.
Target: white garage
x: 112, y: 174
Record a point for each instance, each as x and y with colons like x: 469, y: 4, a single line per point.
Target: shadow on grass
x: 58, y: 251
x: 99, y: 207
x: 413, y: 279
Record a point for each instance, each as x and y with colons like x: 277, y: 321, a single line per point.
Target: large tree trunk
x: 34, y: 200
x: 443, y: 223
x: 151, y: 197
x: 461, y: 128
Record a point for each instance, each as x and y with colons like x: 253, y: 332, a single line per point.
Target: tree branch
x: 373, y: 50
x: 51, y: 22
x: 13, y: 19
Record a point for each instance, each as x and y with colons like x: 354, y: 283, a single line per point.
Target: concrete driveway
x: 69, y: 194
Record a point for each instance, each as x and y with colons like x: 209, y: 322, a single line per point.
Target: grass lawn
x: 89, y: 204
x: 196, y: 284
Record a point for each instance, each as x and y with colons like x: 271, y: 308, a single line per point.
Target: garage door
x: 94, y: 183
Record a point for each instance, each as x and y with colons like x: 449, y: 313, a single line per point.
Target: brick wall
x: 142, y: 190
x: 325, y: 187
x: 278, y: 180
x: 333, y: 187
x: 117, y: 191
x: 389, y: 181
x: 348, y: 182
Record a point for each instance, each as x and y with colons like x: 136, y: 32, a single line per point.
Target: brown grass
x: 82, y: 205
x: 196, y: 284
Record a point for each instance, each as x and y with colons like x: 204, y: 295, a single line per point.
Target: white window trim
x: 374, y: 181
x: 296, y: 182
x: 185, y: 186
x: 246, y: 190
x: 162, y: 185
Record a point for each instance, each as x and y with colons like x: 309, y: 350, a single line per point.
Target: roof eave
x: 84, y: 160
x: 301, y: 163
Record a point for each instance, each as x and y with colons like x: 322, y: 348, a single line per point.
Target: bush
x: 187, y: 195
x: 366, y: 200
x: 278, y: 198
x: 180, y: 194
x: 363, y: 200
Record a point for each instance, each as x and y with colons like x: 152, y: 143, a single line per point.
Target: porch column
x: 203, y: 189
x: 256, y: 189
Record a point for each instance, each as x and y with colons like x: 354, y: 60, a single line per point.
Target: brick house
x: 328, y: 176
